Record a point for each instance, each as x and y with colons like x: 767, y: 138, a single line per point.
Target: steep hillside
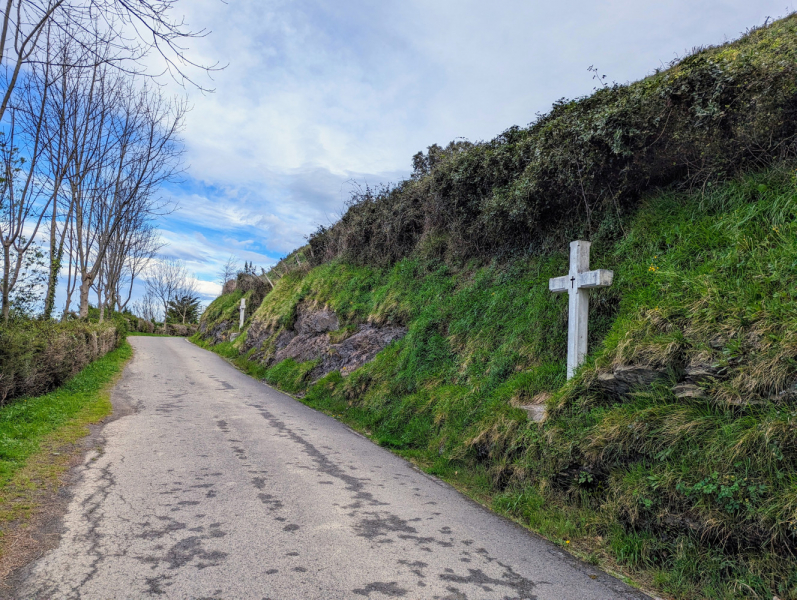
x: 671, y: 455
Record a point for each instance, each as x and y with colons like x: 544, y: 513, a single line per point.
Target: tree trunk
x: 100, y: 303
x: 85, y: 287
x: 55, y: 266
x: 52, y: 281
x: 6, y: 281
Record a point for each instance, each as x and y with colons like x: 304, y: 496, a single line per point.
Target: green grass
x: 25, y: 422
x: 695, y: 498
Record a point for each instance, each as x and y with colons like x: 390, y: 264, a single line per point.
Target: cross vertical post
x: 576, y: 283
x: 243, y: 312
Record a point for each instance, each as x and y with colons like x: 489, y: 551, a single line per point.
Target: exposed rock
x: 315, y: 322
x: 256, y: 335
x: 358, y: 349
x: 303, y: 347
x: 284, y: 338
x: 309, y: 340
x: 717, y: 342
x: 348, y: 355
x: 308, y: 323
x: 536, y: 409
x: 626, y: 378
x: 688, y: 390
x: 234, y: 336
x: 229, y: 287
x: 217, y: 333
x: 536, y: 412
x: 700, y: 372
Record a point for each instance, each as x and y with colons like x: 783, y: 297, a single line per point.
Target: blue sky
x: 318, y: 95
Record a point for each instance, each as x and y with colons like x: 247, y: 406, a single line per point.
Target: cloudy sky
x: 319, y: 96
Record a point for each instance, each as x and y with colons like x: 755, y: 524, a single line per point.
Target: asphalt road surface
x: 217, y: 486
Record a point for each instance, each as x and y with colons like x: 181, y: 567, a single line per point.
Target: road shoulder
x: 35, y: 498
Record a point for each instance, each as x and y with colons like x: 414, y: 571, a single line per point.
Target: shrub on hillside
x: 37, y: 356
x: 178, y: 329
x: 577, y: 170
x: 247, y: 282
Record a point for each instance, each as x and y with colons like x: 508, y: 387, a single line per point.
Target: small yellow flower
x: 567, y: 541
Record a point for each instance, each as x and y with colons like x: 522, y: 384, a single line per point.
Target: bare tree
x: 165, y: 279
x: 25, y: 24
x: 61, y: 50
x: 130, y: 256
x: 146, y: 307
x: 21, y: 212
x: 85, y: 141
x: 121, y: 144
x: 229, y: 270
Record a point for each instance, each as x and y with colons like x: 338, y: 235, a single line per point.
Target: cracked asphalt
x: 217, y: 486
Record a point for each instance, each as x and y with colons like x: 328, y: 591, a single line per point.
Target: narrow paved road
x: 218, y: 486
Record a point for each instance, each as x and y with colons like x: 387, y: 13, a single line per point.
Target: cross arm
x: 595, y: 279
x: 559, y: 284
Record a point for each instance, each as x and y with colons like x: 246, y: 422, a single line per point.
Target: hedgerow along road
x: 217, y: 486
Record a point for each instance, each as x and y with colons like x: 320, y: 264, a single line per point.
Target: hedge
x: 37, y: 356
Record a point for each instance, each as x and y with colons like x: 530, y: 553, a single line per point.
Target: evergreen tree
x: 183, y: 309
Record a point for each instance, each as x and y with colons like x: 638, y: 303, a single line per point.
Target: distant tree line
x: 87, y: 139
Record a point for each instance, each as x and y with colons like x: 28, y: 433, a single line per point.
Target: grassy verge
x: 38, y: 436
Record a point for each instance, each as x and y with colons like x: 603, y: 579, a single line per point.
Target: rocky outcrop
x: 315, y: 322
x: 685, y: 390
x: 215, y: 333
x: 360, y: 348
x: 309, y: 339
x: 624, y: 379
x: 346, y: 356
x: 700, y: 372
x: 256, y: 336
x: 537, y: 409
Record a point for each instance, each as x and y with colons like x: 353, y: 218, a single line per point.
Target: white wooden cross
x: 576, y: 283
x: 243, y: 312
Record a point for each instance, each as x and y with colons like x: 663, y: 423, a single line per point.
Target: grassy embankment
x: 695, y: 497
x: 38, y: 435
